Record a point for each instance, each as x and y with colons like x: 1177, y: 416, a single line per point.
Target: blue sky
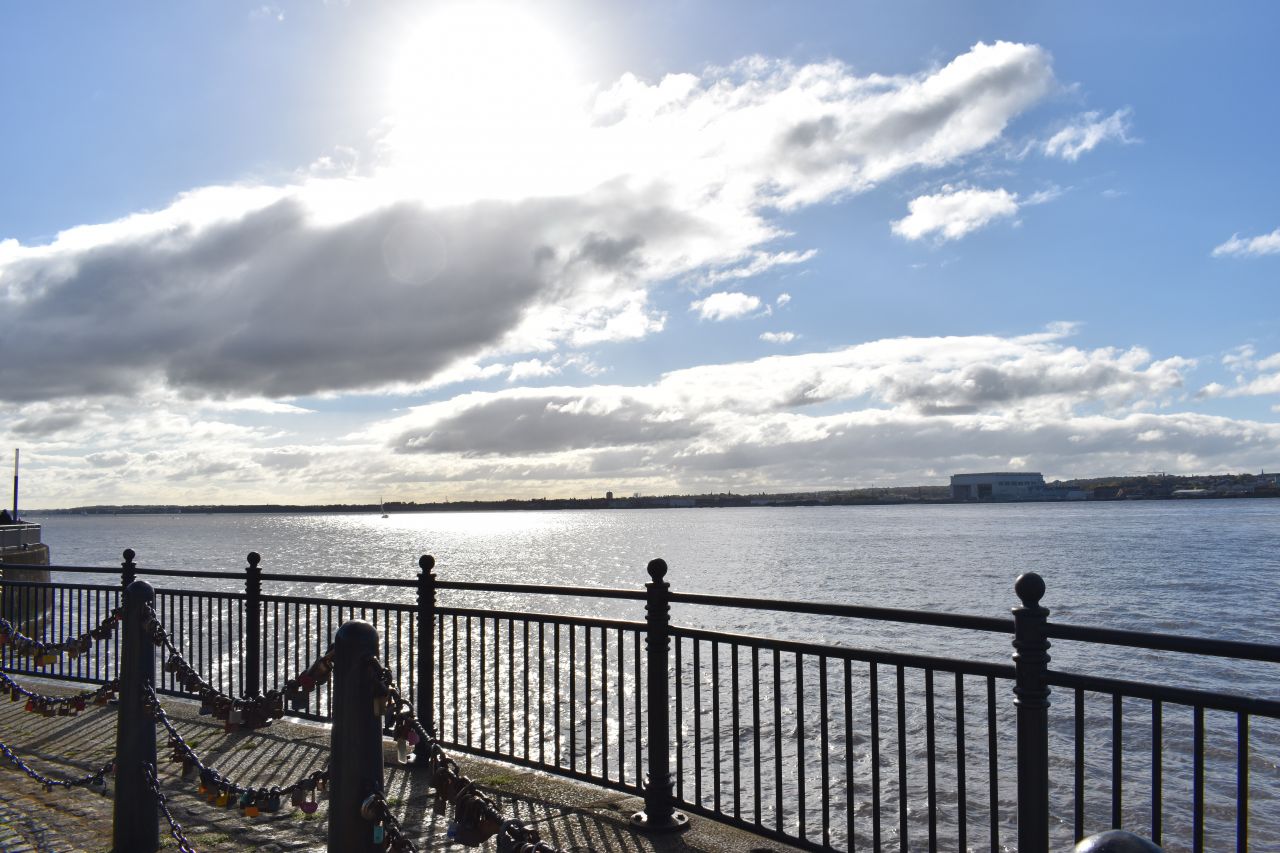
x: 326, y: 251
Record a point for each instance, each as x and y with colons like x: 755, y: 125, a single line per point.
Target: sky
x: 316, y: 252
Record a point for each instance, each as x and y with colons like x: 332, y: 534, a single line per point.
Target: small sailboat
x: 382, y: 508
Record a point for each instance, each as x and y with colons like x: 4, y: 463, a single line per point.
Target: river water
x: 1206, y: 568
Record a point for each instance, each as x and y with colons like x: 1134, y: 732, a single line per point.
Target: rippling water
x: 1204, y: 568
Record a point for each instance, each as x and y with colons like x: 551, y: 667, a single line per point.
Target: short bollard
x: 355, y: 756
x: 136, y: 821
x: 1116, y: 841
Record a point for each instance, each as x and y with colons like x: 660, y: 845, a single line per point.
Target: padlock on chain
x: 464, y: 828
x: 320, y: 671
x: 370, y: 808
x: 439, y: 804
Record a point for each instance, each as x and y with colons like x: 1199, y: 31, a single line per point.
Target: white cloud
x: 887, y: 410
x: 1253, y: 376
x: 725, y: 306
x: 1263, y: 244
x: 435, y: 258
x: 267, y: 13
x: 955, y: 212
x: 777, y: 337
x: 1034, y: 376
x: 259, y: 406
x: 760, y: 262
x: 1086, y: 132
x: 783, y: 299
x: 532, y: 368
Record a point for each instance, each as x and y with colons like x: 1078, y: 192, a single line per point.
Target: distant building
x: 998, y: 486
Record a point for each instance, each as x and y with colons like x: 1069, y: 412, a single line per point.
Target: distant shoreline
x: 894, y: 498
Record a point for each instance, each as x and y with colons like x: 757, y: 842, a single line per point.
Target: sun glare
x: 486, y: 101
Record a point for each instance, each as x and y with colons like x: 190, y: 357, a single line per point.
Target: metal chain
x: 212, y: 780
x: 80, y: 644
x: 175, y: 828
x: 252, y: 712
x: 74, y: 704
x: 49, y: 783
x: 479, y: 812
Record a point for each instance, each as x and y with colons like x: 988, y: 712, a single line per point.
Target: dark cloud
x: 980, y: 386
x: 46, y: 425
x: 273, y: 304
x: 540, y: 424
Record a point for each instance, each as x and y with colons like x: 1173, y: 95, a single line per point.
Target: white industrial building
x: 998, y: 486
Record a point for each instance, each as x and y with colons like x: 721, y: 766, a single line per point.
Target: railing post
x: 136, y: 820
x: 425, y: 701
x: 253, y: 626
x: 127, y: 568
x: 1031, y: 690
x: 355, y: 747
x: 659, y: 813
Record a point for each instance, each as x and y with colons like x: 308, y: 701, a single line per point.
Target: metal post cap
x: 1030, y: 588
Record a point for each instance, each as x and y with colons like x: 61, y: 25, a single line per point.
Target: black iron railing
x: 817, y: 742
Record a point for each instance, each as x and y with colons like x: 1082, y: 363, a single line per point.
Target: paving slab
x: 571, y: 815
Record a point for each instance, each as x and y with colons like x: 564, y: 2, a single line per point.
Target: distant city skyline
x: 305, y: 252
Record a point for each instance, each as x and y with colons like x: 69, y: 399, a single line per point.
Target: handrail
x: 967, y: 667
x: 855, y: 611
x: 544, y: 589
x: 1164, y: 693
x: 1265, y: 652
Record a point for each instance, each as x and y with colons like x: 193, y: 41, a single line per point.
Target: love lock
x: 468, y: 829
x: 439, y: 804
x: 371, y: 808
x: 510, y: 837
x: 490, y: 823
x: 441, y: 779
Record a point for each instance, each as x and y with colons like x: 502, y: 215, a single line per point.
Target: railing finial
x: 426, y: 562
x: 254, y: 558
x: 658, y: 569
x: 1030, y: 589
x: 127, y: 573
